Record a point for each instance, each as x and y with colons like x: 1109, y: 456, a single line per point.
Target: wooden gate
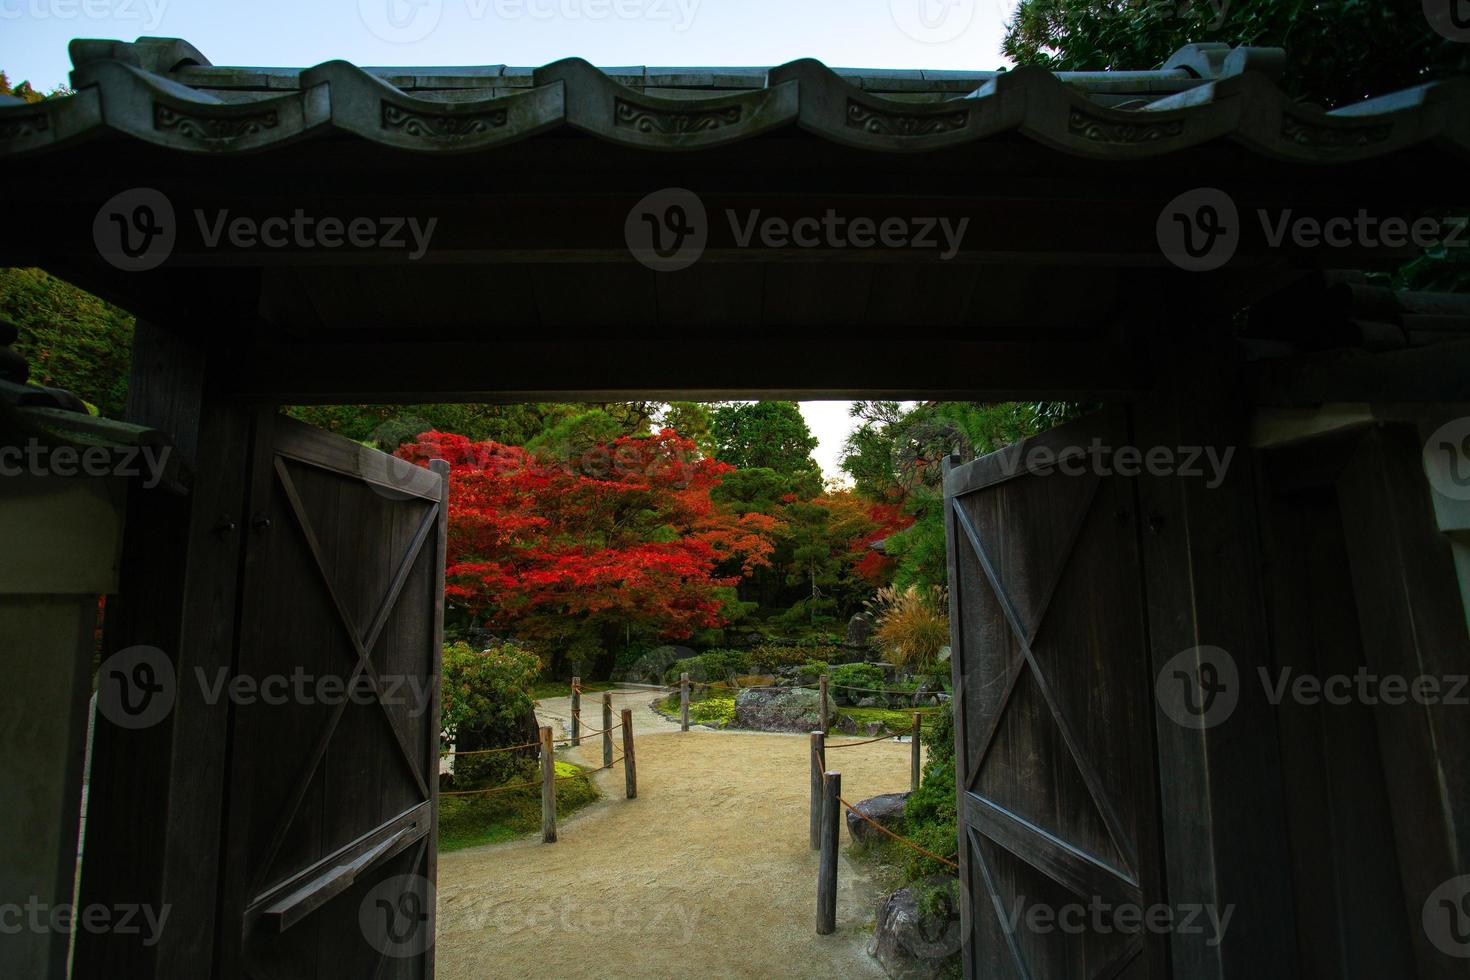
x: 1053, y: 709
x: 329, y: 842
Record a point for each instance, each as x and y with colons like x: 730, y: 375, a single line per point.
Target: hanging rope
x: 512, y: 748
x: 902, y: 840
x: 867, y: 741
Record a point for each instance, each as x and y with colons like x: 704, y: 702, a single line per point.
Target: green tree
x: 1338, y: 51
x: 692, y: 420
x: 769, y: 435
x: 70, y: 338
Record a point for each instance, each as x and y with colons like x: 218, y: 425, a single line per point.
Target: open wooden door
x: 329, y: 839
x: 1053, y: 709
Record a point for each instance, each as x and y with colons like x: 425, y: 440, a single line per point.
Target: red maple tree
x: 581, y: 554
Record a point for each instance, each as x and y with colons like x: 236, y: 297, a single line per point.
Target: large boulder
x: 858, y: 631
x: 886, y: 810
x: 794, y: 710
x: 915, y: 939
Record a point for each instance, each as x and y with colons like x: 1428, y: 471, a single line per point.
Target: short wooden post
x: 607, y: 725
x: 576, y: 711
x: 822, y: 707
x: 914, y: 755
x: 819, y: 763
x: 684, y: 702
x: 630, y: 766
x: 827, y: 870
x: 548, y: 788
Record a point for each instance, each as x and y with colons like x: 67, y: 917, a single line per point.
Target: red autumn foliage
x: 624, y: 537
x: 874, y: 566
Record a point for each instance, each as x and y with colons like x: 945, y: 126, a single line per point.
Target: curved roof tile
x: 163, y: 91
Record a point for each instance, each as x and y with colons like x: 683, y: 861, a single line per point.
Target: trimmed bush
x: 769, y: 657
x: 865, y: 676
x: 711, y: 667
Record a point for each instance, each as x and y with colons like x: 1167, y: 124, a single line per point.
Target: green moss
x: 896, y: 720
x: 471, y: 821
x: 717, y: 710
x: 563, y: 689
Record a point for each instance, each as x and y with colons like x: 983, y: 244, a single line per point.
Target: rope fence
x: 549, y: 778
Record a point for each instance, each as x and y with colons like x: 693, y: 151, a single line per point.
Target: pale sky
x: 957, y: 34
x: 830, y: 423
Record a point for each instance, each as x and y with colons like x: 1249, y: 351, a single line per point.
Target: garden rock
x: 874, y: 728
x: 845, y: 725
x: 795, y: 710
x: 858, y: 629
x: 868, y: 703
x: 912, y: 945
x: 886, y: 810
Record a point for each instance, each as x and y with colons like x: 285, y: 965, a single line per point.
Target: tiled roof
x: 163, y: 91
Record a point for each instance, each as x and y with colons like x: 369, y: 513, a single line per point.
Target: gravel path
x: 707, y: 873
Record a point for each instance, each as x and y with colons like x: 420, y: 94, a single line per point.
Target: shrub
x: 930, y: 812
x: 486, y: 696
x: 847, y: 676
x: 911, y: 627
x: 711, y: 667
x: 768, y: 657
x: 809, y: 672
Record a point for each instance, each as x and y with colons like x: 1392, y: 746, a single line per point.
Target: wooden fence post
x: 819, y: 763
x: 914, y: 754
x: 576, y: 711
x: 607, y: 751
x: 822, y: 706
x: 684, y: 702
x: 548, y: 788
x: 630, y: 766
x: 827, y: 870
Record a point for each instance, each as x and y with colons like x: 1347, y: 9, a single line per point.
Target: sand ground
x: 707, y: 873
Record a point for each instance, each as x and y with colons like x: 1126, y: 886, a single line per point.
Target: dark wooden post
x: 822, y: 707
x: 156, y: 797
x: 914, y: 755
x: 827, y: 870
x: 548, y: 788
x: 630, y: 766
x: 684, y: 702
x: 576, y: 711
x: 607, y: 750
x: 818, y: 763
